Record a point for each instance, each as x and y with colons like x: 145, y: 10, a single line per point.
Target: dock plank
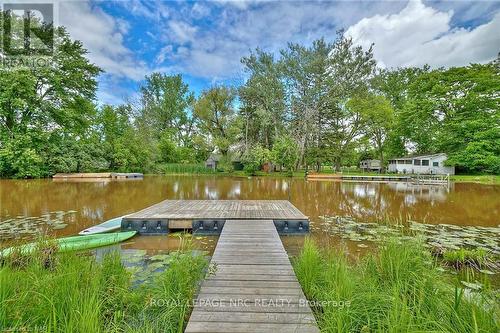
x: 220, y: 209
x: 254, y: 287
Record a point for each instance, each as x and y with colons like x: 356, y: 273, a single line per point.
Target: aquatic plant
x: 77, y: 293
x: 476, y: 258
x: 398, y: 289
x: 438, y: 237
x: 23, y: 227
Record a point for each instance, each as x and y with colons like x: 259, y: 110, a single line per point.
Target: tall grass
x: 74, y: 293
x: 399, y: 289
x: 179, y: 168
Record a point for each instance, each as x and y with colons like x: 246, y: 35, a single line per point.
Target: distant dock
x: 321, y: 176
x: 98, y: 175
x: 209, y: 216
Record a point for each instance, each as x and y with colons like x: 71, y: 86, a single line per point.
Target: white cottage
x: 424, y: 164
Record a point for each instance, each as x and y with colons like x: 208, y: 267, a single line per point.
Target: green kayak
x: 74, y: 243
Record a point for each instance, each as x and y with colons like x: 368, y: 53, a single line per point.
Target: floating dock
x: 209, y: 216
x: 97, y: 175
x: 254, y: 287
x: 375, y: 178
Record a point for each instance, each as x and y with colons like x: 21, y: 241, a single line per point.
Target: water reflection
x: 461, y: 203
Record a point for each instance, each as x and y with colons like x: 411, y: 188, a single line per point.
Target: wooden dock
x: 374, y: 178
x: 209, y: 216
x: 254, y: 287
x: 97, y: 175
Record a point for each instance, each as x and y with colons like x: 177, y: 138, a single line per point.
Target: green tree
x: 377, y: 119
x: 456, y: 111
x: 285, y: 152
x: 254, y: 158
x: 349, y: 70
x: 263, y: 96
x: 394, y: 85
x: 217, y: 118
x: 305, y: 71
x: 39, y: 105
x: 165, y: 106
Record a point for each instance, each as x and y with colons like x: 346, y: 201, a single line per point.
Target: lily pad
x: 472, y: 285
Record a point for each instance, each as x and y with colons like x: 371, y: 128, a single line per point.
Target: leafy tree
x: 285, y: 152
x: 377, y: 119
x: 217, y: 118
x: 39, y: 105
x: 394, y: 85
x: 349, y: 71
x: 457, y: 111
x: 254, y: 158
x: 305, y: 75
x: 263, y: 96
x: 165, y: 104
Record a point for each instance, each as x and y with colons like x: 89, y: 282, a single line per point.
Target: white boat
x: 108, y: 226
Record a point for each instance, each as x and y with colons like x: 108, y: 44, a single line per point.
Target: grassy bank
x: 181, y: 169
x: 198, y: 169
x: 400, y: 289
x: 74, y: 293
x: 481, y: 179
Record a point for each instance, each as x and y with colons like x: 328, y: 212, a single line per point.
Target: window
x: 408, y: 162
x: 416, y: 162
x: 435, y: 164
x: 425, y: 162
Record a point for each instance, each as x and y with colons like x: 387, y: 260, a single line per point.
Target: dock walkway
x: 254, y: 287
x: 209, y: 216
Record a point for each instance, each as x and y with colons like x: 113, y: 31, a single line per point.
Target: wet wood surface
x: 253, y: 287
x: 220, y: 209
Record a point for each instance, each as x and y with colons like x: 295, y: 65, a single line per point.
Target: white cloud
x: 103, y: 36
x: 199, y: 11
x: 215, y: 49
x: 420, y: 34
x: 164, y: 52
x: 181, y: 32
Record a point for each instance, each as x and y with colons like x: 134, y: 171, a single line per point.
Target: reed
x: 74, y: 293
x: 398, y: 289
x: 179, y: 168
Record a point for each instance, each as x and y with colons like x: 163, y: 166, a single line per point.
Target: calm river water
x: 77, y: 205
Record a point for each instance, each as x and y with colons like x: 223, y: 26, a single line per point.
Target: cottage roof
x: 418, y: 157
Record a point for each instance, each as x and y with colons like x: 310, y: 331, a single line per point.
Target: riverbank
x: 73, y: 292
x: 401, y: 288
x: 478, y: 179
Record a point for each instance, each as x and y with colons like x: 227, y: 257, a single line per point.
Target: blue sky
x: 205, y: 40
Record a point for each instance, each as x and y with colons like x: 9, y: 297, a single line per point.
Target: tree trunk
x: 338, y: 164
x: 381, y: 155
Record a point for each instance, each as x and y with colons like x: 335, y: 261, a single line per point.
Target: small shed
x: 268, y: 167
x: 212, y: 161
x: 370, y: 165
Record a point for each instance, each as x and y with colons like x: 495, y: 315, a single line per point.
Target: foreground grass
x: 74, y: 293
x: 400, y: 289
